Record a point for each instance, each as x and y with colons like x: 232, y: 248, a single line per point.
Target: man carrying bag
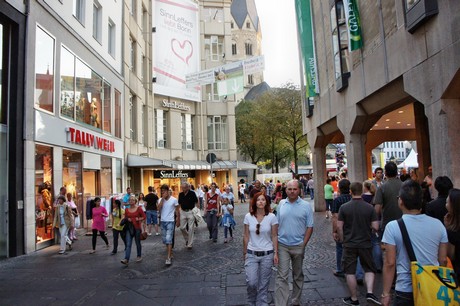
x: 429, y: 242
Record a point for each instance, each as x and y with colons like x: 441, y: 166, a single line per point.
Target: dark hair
x: 96, y: 199
x: 254, y: 203
x: 411, y: 194
x: 118, y: 202
x: 378, y: 169
x: 206, y: 189
x: 164, y: 187
x: 328, y: 181
x: 344, y: 186
x: 452, y: 219
x: 443, y: 184
x: 356, y: 188
x: 62, y: 198
x: 150, y: 189
x: 143, y: 196
x: 333, y: 178
x: 391, y: 170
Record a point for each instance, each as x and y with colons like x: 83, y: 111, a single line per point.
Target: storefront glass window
x: 67, y: 84
x: 72, y: 178
x: 44, y: 70
x: 106, y: 176
x: 43, y: 193
x: 107, y: 126
x: 119, y: 175
x: 88, y: 95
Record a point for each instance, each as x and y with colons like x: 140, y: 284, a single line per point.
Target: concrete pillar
x: 356, y: 157
x: 319, y: 176
x: 423, y: 140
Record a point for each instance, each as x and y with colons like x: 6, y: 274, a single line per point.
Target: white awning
x: 144, y: 162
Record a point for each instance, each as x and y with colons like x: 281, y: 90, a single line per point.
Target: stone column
x: 356, y: 157
x: 319, y: 176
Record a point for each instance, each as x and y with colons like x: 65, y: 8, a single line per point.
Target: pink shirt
x: 98, y: 219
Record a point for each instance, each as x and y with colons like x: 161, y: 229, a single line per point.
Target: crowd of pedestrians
x: 365, y: 220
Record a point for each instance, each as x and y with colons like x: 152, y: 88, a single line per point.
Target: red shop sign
x: 86, y: 139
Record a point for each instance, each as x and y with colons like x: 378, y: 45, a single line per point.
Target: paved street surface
x: 209, y: 274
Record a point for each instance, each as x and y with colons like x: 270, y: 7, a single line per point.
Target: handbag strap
x: 406, y: 240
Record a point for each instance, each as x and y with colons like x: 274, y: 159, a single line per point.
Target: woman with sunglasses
x: 260, y: 248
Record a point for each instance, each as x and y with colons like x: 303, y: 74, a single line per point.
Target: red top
x: 139, y: 213
x: 212, y: 201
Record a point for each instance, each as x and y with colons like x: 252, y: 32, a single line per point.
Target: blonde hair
x: 370, y: 186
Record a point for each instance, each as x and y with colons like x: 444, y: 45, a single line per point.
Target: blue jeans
x: 377, y: 251
x: 338, y: 256
x: 258, y: 271
x: 129, y: 243
x: 228, y: 229
x: 167, y: 231
x: 289, y: 254
x: 211, y: 221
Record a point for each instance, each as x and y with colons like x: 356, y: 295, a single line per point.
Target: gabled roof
x: 256, y: 91
x: 242, y: 8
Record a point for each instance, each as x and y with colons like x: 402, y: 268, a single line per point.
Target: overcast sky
x: 279, y: 41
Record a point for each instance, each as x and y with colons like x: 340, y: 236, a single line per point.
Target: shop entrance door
x: 91, y: 189
x: 3, y: 151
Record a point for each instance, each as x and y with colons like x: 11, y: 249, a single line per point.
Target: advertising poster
x: 177, y: 48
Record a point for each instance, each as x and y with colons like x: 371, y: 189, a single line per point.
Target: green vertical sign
x: 354, y: 25
x: 305, y: 32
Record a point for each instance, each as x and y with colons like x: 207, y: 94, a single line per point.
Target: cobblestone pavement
x: 209, y: 274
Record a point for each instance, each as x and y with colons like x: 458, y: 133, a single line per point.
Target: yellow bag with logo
x: 431, y: 285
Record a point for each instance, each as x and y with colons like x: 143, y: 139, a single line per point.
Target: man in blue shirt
x: 295, y: 218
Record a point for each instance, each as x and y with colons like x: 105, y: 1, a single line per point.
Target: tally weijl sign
x: 86, y: 139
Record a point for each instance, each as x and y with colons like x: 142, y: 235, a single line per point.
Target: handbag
x: 123, y: 221
x: 431, y: 285
x: 77, y: 222
x: 144, y: 235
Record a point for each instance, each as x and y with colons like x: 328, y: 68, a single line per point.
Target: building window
x: 340, y: 45
x: 217, y: 133
x: 213, y: 47
x: 160, y: 124
x: 44, y: 193
x: 97, y: 21
x: 117, y: 114
x: 213, y: 14
x: 248, y: 25
x: 187, y: 131
x: 232, y: 25
x: 142, y: 66
x: 79, y: 10
x: 132, y: 116
x: 107, y: 108
x: 248, y: 47
x: 417, y: 12
x: 133, y: 8
x: 145, y: 125
x: 250, y: 79
x: 132, y: 58
x: 145, y: 21
x: 44, y: 70
x: 234, y: 50
x: 88, y: 94
x: 111, y: 35
x: 211, y: 93
x: 85, y: 96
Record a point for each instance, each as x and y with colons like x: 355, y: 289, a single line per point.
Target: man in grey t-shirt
x: 386, y: 198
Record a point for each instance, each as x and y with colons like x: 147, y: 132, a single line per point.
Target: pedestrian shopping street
x: 209, y: 274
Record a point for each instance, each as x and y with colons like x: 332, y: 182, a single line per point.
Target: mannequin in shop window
x: 94, y: 115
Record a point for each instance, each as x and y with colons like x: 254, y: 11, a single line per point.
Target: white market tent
x: 410, y: 161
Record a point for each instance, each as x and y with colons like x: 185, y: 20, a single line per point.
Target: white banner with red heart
x: 177, y: 48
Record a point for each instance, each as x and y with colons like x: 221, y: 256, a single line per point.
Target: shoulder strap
x: 406, y: 239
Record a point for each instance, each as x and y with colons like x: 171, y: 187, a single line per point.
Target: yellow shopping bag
x: 434, y: 285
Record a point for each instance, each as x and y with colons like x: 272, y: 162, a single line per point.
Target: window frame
x: 97, y: 21
x: 341, y: 55
x: 160, y: 129
x: 78, y: 10
x: 53, y: 68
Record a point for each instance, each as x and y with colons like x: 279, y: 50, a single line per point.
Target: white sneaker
x: 157, y: 234
x: 168, y: 262
x: 150, y: 234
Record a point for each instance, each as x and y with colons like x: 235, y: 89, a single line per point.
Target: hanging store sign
x: 173, y: 174
x: 86, y: 139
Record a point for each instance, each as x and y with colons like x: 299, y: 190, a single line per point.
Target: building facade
x: 72, y: 111
x: 402, y: 85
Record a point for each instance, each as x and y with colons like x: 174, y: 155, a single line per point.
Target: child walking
x: 227, y: 219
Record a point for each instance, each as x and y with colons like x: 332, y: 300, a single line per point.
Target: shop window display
x: 43, y: 193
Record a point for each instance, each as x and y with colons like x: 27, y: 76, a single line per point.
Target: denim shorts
x: 167, y: 231
x: 152, y: 216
